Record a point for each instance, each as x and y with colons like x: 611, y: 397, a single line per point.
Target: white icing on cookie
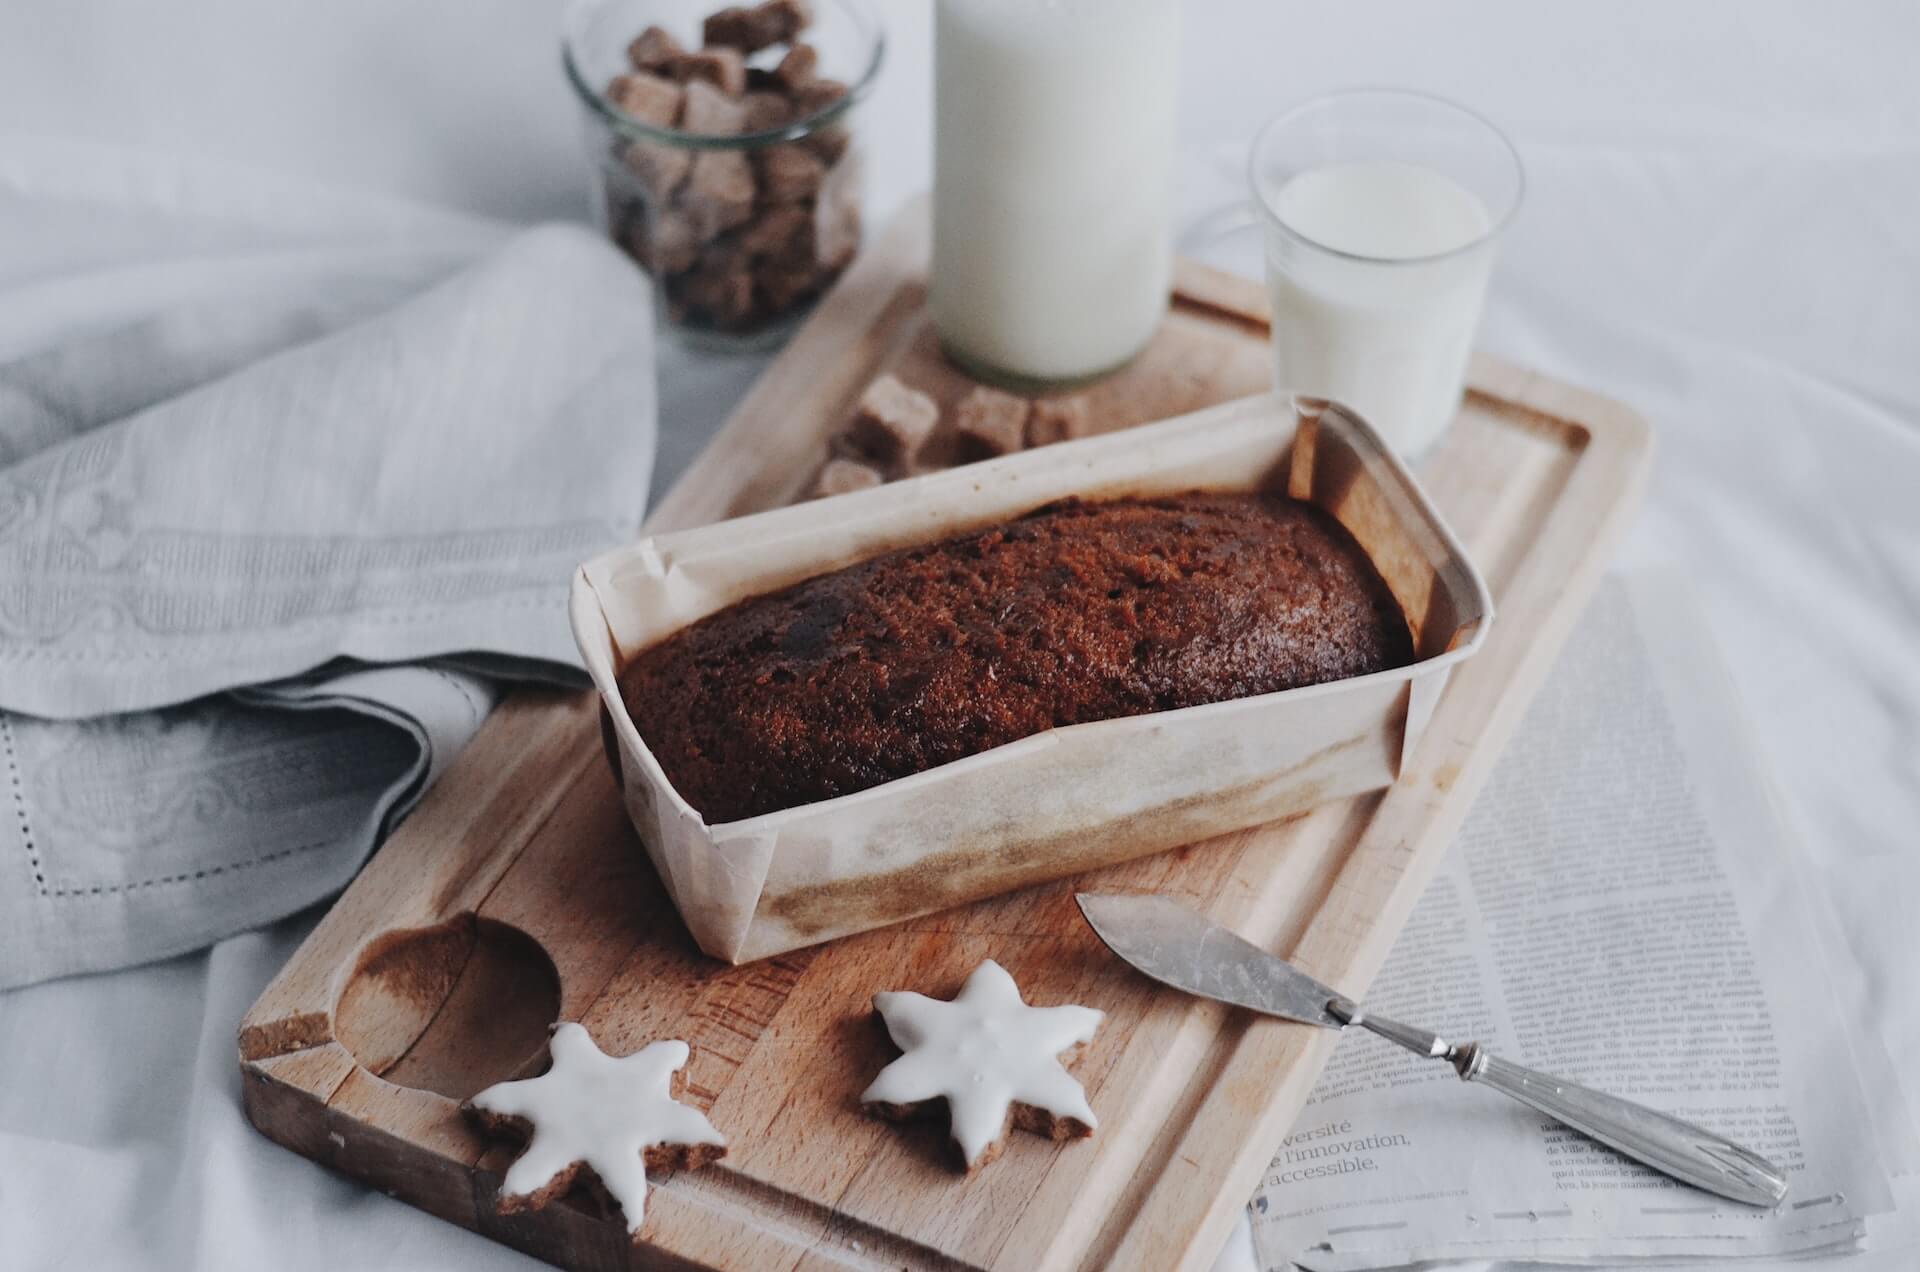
x: 605, y: 1111
x: 984, y: 1052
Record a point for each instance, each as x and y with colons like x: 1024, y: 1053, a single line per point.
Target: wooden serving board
x: 516, y: 894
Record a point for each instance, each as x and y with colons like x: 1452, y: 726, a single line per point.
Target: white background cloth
x: 320, y: 465
x: 1722, y: 229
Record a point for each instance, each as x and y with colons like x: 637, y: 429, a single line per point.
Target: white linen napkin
x: 288, y: 480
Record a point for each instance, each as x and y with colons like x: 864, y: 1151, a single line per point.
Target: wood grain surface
x: 516, y: 893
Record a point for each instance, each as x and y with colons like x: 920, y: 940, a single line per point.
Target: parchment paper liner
x: 1069, y: 799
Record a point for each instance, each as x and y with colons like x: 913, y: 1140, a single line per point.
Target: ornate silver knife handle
x: 1689, y: 1153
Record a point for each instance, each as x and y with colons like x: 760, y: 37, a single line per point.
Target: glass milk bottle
x: 1053, y: 183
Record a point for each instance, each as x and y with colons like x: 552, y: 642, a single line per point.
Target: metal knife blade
x: 1190, y: 952
x: 1177, y: 947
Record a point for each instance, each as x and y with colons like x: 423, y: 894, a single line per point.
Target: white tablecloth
x: 1722, y: 228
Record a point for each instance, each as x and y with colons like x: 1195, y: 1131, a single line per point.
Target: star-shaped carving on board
x: 612, y: 1116
x: 991, y: 1057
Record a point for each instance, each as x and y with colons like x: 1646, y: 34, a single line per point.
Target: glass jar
x: 737, y: 188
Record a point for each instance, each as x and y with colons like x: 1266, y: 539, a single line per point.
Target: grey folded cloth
x: 258, y: 537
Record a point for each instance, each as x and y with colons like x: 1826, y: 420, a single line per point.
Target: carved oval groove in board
x: 452, y: 1008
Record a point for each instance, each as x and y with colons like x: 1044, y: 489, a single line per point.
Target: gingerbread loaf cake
x: 1073, y: 613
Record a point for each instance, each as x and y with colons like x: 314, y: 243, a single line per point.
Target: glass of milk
x: 1053, y: 183
x: 1380, y: 210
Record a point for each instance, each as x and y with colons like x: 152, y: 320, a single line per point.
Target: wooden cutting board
x: 516, y: 894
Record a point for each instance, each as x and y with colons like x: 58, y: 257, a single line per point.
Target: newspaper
x: 1624, y: 909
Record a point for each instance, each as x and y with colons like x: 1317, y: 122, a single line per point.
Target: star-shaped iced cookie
x: 992, y: 1058
x: 612, y: 1116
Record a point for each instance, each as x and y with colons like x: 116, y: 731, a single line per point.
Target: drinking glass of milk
x: 1380, y: 209
x: 1053, y: 183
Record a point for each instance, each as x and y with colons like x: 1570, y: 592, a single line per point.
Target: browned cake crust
x: 1075, y: 612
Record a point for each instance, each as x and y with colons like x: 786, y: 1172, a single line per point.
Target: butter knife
x: 1178, y: 947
